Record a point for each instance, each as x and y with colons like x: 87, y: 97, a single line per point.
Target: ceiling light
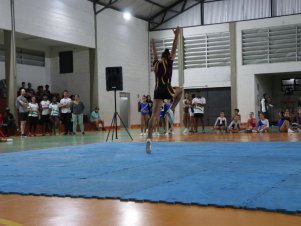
x: 127, y: 16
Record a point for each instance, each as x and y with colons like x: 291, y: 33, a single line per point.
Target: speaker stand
x: 114, y: 123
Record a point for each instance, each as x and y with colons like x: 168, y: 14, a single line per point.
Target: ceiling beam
x: 161, y: 6
x: 183, y: 9
x: 109, y: 5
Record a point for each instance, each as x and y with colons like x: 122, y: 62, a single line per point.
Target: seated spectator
x: 235, y: 126
x: 96, y: 118
x: 263, y: 124
x: 8, y: 122
x: 236, y: 113
x: 251, y: 124
x: 220, y: 124
x: 284, y: 124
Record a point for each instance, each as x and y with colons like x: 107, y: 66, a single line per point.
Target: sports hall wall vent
x: 207, y: 50
x: 271, y: 44
x: 26, y: 56
x: 161, y: 45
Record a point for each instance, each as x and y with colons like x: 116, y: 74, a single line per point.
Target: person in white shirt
x: 265, y: 105
x: 198, y: 104
x: 44, y: 105
x: 235, y: 125
x: 22, y: 107
x: 220, y: 124
x: 33, y: 116
x: 262, y: 124
x: 54, y: 115
x: 66, y: 115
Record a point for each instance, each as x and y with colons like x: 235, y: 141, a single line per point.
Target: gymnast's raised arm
x: 175, y: 43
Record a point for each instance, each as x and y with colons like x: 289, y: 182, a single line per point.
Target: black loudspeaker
x: 114, y: 78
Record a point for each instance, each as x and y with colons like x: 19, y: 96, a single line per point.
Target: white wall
x: 77, y: 82
x: 246, y: 98
x: 70, y: 21
x: 122, y: 43
x: 5, y: 16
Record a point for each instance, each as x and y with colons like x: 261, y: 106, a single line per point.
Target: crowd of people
x: 43, y: 107
x: 194, y: 111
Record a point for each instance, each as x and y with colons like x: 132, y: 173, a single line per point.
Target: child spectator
x: 284, y: 125
x: 96, y: 118
x: 144, y: 112
x: 262, y: 124
x: 235, y: 126
x: 199, y: 103
x: 168, y: 126
x: 33, y: 116
x: 251, y: 124
x: 186, y: 115
x: 8, y: 122
x: 44, y: 104
x: 220, y: 124
x: 54, y: 115
x: 236, y: 113
x: 78, y: 107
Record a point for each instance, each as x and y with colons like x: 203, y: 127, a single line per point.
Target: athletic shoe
x: 170, y: 115
x: 166, y: 134
x: 141, y: 134
x: 185, y: 131
x: 290, y: 130
x: 148, y: 148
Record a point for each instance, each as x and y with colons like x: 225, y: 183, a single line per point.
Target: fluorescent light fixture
x: 127, y: 15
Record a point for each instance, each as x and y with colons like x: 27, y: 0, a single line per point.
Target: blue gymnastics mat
x: 257, y: 175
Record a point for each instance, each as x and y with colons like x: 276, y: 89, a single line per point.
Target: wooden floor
x: 17, y: 210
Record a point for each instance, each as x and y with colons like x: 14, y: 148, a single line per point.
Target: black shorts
x: 198, y: 115
x: 164, y: 92
x: 23, y: 116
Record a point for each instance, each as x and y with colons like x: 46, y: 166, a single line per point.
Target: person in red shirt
x: 251, y: 124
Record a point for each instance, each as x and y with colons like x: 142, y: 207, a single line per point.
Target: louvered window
x: 271, y: 45
x: 207, y: 50
x: 161, y: 45
x: 30, y: 57
x: 26, y: 56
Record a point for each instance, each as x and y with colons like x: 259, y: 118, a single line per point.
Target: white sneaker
x: 170, y: 116
x: 185, y: 131
x: 166, y: 134
x: 141, y: 134
x: 148, y: 148
x: 290, y: 130
x: 172, y: 132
